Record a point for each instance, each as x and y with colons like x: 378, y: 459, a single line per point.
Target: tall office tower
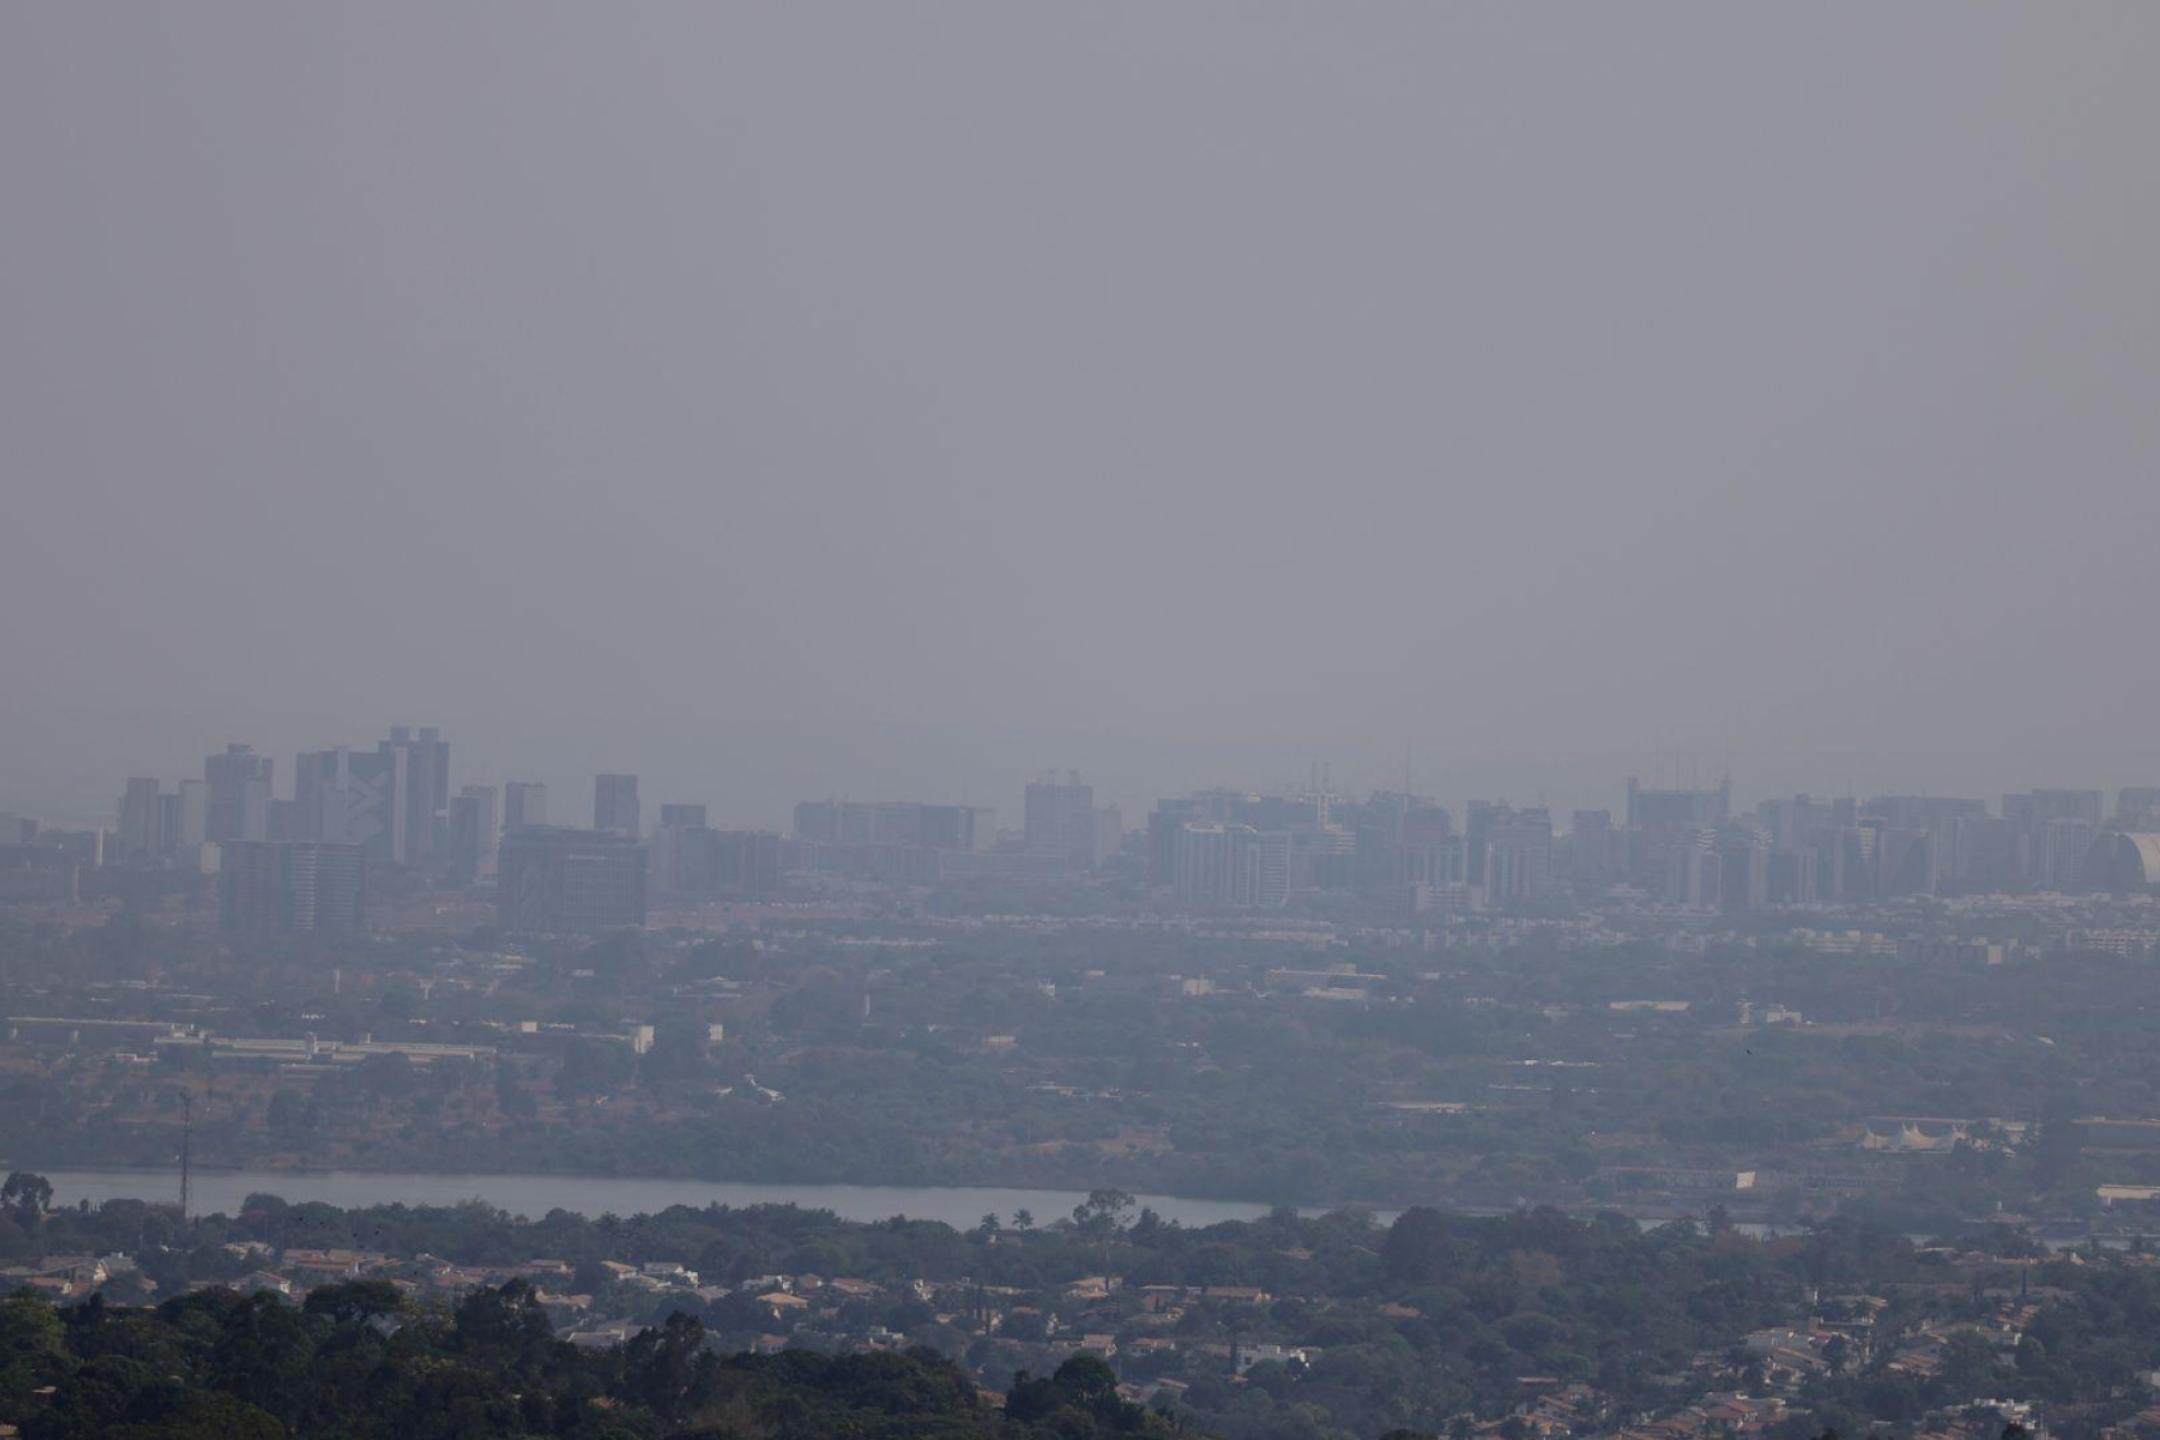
x: 426, y: 805
x: 325, y: 887
x: 2041, y: 861
x: 248, y: 889
x: 1109, y: 832
x: 560, y: 881
x: 615, y: 804
x: 1396, y: 839
x: 670, y: 868
x: 292, y: 888
x: 345, y: 798
x: 1231, y: 866
x: 1985, y: 851
x: 1694, y: 876
x: 1206, y: 864
x: 1790, y: 876
x: 895, y: 822
x: 2065, y: 846
x: 1904, y: 859
x: 2034, y: 808
x: 1059, y: 821
x: 239, y: 794
x: 748, y: 862
x: 1164, y: 824
x: 1427, y: 849
x: 1678, y: 807
x: 679, y: 859
x: 1845, y: 862
x: 285, y: 821
x: 1940, y: 817
x: 524, y: 803
x: 1744, y: 878
x: 1592, y: 850
x: 1479, y: 818
x: 1271, y: 869
x: 817, y: 821
x: 1793, y: 822
x: 711, y: 864
x: 194, y: 798
x: 141, y: 820
x: 1662, y: 836
x: 315, y: 774
x: 475, y: 837
x: 1518, y: 858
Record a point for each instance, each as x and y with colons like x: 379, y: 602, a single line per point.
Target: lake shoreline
x: 307, y: 1173
x: 534, y: 1194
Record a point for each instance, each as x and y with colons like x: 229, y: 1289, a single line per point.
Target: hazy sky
x: 886, y: 398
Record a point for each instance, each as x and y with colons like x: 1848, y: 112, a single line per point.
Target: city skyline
x: 1564, y: 782
x: 1239, y: 845
x: 1611, y: 387
x: 1228, y: 718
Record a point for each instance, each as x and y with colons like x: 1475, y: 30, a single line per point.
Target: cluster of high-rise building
x: 1243, y: 849
x: 1837, y: 850
x: 301, y: 862
x: 1681, y: 847
x: 1063, y: 833
x: 1064, y: 828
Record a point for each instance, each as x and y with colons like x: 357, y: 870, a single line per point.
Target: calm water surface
x: 533, y: 1196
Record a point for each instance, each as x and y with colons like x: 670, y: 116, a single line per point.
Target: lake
x: 533, y: 1196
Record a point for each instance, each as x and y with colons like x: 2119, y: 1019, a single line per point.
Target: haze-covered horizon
x: 790, y: 401
x: 679, y: 763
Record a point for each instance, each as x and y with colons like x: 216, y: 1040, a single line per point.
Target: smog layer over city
x: 984, y: 722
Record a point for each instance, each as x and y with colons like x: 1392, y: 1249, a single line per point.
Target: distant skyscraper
x: 194, y: 813
x: 1665, y: 840
x: 2065, y: 846
x: 524, y: 803
x: 746, y: 862
x: 1649, y: 808
x: 1059, y: 821
x: 670, y: 864
x: 1231, y: 866
x: 426, y: 806
x: 1693, y: 874
x: 1940, y: 817
x: 1744, y: 866
x: 141, y: 821
x: 615, y: 804
x: 560, y: 881
x: 341, y: 797
x: 704, y: 863
x: 1518, y: 858
x: 290, y: 888
x: 239, y: 794
x: 2035, y: 808
x: 895, y: 822
x: 1592, y: 850
x: 249, y: 890
x: 325, y: 887
x: 474, y: 834
x: 2043, y: 857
